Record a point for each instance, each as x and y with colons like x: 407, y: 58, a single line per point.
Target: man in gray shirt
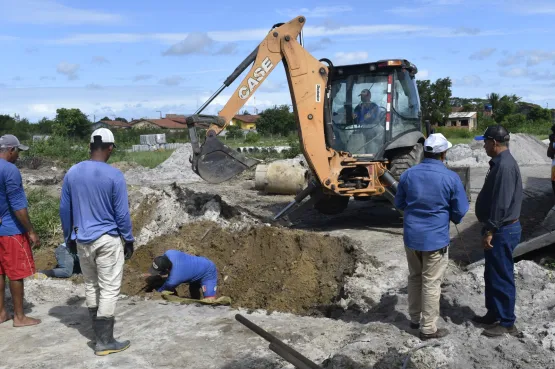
x: 498, y: 209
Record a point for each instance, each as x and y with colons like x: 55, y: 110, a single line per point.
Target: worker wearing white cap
x: 431, y: 196
x: 94, y: 210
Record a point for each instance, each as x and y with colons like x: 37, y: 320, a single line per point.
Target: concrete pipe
x: 283, y: 177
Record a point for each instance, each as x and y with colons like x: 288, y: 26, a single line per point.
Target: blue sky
x: 134, y: 58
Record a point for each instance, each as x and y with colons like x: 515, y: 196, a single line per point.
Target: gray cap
x: 8, y: 141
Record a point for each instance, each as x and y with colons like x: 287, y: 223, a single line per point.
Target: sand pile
x: 176, y: 168
x: 526, y: 149
x: 261, y: 267
x: 156, y: 212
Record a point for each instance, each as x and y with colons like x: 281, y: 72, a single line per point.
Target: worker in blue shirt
x: 431, y: 196
x: 178, y: 267
x: 94, y: 212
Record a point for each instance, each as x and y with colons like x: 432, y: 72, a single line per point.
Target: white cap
x: 436, y: 143
x: 106, y: 136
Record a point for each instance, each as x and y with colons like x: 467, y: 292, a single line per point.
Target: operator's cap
x: 364, y: 92
x: 106, y: 136
x: 9, y: 141
x: 497, y: 133
x: 437, y: 143
x: 160, y: 265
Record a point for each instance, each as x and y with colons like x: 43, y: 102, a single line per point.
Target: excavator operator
x: 366, y: 112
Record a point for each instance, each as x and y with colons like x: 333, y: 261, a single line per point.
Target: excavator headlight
x: 394, y: 62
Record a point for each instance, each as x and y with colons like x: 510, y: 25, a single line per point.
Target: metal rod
x: 287, y: 356
x: 203, y: 106
x: 302, y: 38
x: 274, y: 340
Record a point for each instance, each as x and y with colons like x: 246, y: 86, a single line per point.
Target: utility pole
x: 158, y: 111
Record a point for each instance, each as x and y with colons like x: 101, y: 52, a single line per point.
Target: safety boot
x: 105, y: 342
x: 92, y: 313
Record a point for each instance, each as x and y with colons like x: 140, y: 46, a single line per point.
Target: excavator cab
x: 374, y: 109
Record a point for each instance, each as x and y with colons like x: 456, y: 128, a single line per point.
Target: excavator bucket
x: 219, y: 163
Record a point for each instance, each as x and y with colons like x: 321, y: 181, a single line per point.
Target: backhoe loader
x: 359, y: 125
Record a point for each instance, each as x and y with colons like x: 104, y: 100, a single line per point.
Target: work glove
x: 72, y: 247
x: 128, y: 250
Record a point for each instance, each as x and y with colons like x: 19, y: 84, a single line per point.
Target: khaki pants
x: 102, y: 266
x: 426, y: 270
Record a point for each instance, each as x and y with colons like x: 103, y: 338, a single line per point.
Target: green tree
x: 234, y: 132
x: 45, y: 126
x: 276, y: 120
x: 121, y: 119
x: 435, y: 99
x: 71, y: 123
x: 538, y: 113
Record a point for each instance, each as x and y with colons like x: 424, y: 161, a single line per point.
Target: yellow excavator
x: 359, y: 125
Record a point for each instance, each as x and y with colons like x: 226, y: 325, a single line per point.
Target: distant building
x: 246, y: 122
x: 164, y: 123
x: 463, y: 120
x: 110, y: 124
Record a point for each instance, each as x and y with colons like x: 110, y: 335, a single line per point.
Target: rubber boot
x: 105, y: 342
x: 92, y: 313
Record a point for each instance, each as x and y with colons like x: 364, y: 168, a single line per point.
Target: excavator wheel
x: 403, y: 159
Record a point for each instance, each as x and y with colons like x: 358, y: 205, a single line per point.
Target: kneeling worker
x: 179, y: 267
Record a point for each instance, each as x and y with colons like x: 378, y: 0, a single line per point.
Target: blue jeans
x: 68, y: 264
x: 499, y: 274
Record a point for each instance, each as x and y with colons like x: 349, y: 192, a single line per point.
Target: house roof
x: 247, y: 118
x: 114, y: 123
x: 164, y: 123
x: 462, y: 114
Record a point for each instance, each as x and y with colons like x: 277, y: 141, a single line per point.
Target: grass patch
x: 45, y: 216
x: 148, y: 159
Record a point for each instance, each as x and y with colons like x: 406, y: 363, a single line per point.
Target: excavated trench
x: 261, y: 267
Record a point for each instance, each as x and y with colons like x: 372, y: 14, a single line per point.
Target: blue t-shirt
x: 430, y: 195
x: 187, y: 269
x: 12, y: 199
x: 94, y: 199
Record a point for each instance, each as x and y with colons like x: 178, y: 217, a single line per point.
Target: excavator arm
x: 307, y: 78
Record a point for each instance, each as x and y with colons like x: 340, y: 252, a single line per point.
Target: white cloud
x: 271, y: 86
x: 227, y: 49
x: 179, y: 43
x: 194, y: 43
x: 317, y: 12
x: 423, y: 74
x: 143, y: 62
x: 515, y: 72
x: 35, y: 103
x: 68, y: 69
x: 8, y: 38
x: 483, y: 53
x: 93, y: 86
x: 171, y: 81
x: 424, y: 8
x: 469, y: 81
x: 52, y: 12
x: 100, y: 60
x: 320, y: 44
x: 350, y: 57
x: 532, y: 58
x: 534, y: 7
x: 142, y: 77
x: 509, y: 60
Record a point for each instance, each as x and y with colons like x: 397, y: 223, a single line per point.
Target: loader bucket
x: 218, y: 163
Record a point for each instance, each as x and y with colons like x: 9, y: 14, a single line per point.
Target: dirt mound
x: 526, y: 149
x: 156, y: 212
x: 176, y: 168
x: 259, y: 268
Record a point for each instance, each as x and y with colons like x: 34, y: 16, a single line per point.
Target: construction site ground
x: 332, y: 287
